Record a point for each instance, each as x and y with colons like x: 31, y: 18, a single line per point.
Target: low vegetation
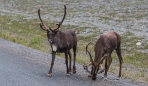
x: 28, y: 33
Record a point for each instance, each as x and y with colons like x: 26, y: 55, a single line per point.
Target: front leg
x: 101, y: 69
x: 106, y: 66
x: 52, y: 63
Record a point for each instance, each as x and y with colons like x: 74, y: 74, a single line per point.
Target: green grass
x: 134, y: 57
x: 28, y: 33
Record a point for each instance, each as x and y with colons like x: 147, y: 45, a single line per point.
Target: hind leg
x: 108, y: 62
x: 69, y: 53
x: 74, y: 67
x: 118, y: 51
x: 66, y: 60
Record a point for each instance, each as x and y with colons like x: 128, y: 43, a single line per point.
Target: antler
x: 89, y: 54
x: 101, y: 60
x: 60, y: 23
x: 42, y: 24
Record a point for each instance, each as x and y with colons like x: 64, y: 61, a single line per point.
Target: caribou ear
x: 56, y: 30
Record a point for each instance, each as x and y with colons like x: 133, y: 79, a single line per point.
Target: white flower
x: 138, y: 43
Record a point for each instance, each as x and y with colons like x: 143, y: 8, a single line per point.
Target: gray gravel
x: 23, y: 66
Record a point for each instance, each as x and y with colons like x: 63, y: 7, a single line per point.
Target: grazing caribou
x: 61, y: 41
x: 103, y: 49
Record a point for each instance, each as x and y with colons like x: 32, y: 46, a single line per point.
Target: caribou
x: 62, y: 42
x: 105, y: 45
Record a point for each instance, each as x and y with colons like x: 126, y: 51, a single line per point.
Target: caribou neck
x: 60, y: 39
x: 99, y: 50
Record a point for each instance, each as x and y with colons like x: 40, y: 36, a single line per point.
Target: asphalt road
x: 23, y: 66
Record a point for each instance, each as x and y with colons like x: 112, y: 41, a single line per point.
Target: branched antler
x: 89, y: 54
x: 60, y: 23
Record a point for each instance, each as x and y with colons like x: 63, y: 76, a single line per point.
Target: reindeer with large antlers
x: 61, y: 41
x: 103, y: 48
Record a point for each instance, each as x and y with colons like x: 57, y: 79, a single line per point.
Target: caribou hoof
x: 68, y: 74
x: 118, y: 78
x: 49, y: 74
x: 102, y: 76
x: 74, y: 72
x: 105, y: 76
x: 89, y: 76
x: 74, y: 69
x: 105, y: 79
x: 101, y: 71
x: 85, y: 67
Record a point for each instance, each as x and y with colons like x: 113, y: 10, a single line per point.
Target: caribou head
x: 95, y: 65
x: 51, y: 32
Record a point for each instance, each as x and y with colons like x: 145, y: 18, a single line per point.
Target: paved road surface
x: 23, y: 66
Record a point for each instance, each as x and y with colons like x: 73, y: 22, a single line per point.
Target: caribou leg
x: 100, y: 64
x: 66, y: 60
x: 74, y: 51
x: 118, y: 51
x: 69, y: 53
x: 101, y: 69
x: 108, y: 62
x: 52, y: 63
x: 105, y: 74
